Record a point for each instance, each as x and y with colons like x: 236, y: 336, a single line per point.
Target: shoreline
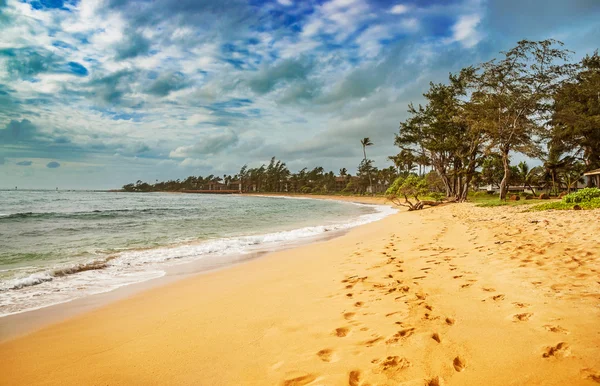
x: 22, y: 323
x: 454, y: 295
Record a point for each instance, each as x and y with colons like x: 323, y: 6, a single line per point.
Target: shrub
x: 583, y: 195
x: 411, y: 187
x: 594, y: 203
x: 437, y: 196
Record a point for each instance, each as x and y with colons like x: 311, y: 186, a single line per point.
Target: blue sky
x: 98, y: 93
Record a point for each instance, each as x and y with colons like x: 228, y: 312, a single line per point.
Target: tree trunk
x: 369, y: 172
x: 504, y: 183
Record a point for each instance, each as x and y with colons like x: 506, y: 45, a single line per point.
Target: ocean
x: 57, y: 246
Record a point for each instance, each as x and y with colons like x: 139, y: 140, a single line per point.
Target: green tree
x: 529, y: 177
x: 407, y: 191
x: 576, y: 116
x: 511, y: 100
x: 442, y: 135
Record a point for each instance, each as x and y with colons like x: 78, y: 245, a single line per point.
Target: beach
x: 452, y: 295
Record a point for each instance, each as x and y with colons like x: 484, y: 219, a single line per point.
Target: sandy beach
x: 452, y: 295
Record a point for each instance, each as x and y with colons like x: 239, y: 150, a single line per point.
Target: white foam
x: 42, y: 289
x: 27, y: 281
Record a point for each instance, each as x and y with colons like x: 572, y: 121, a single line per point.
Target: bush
x: 583, y: 195
x: 437, y: 196
x: 305, y: 190
x: 594, y: 203
x: 411, y: 187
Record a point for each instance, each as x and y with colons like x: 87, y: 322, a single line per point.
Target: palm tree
x: 343, y: 172
x: 555, y: 163
x: 529, y: 177
x: 367, y: 142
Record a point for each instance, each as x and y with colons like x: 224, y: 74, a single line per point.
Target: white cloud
x: 369, y: 40
x: 465, y: 30
x: 210, y: 144
x: 399, y: 9
x: 287, y: 3
x: 195, y: 163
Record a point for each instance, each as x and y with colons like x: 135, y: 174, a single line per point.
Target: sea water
x: 57, y: 246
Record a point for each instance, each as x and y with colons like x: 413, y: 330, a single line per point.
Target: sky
x: 98, y: 93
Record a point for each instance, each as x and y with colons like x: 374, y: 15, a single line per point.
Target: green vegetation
x: 529, y: 101
x: 276, y: 177
x: 493, y: 202
x: 583, y: 195
x: 561, y: 205
x: 407, y: 190
x: 588, y: 198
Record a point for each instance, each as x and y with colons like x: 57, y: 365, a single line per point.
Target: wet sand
x: 453, y: 295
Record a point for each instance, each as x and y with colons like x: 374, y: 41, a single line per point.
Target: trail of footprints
x: 407, y: 290
x: 364, y: 289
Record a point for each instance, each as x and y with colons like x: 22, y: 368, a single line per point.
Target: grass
x: 561, y: 205
x: 491, y: 200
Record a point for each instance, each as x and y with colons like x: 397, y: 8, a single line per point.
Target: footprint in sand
x: 349, y: 315
x: 371, y: 342
x: 405, y: 333
x: 392, y: 365
x: 326, y: 355
x: 558, y: 351
x: 449, y: 321
x: 521, y: 305
x: 300, y: 380
x: 522, y: 317
x: 557, y: 329
x: 498, y: 297
x: 342, y: 331
x: 435, y: 336
x: 436, y: 381
x: 354, y: 378
x: 459, y: 364
x: 591, y: 375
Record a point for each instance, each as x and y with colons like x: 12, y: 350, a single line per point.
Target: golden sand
x: 453, y: 295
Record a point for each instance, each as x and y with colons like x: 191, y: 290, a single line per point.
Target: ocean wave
x: 65, y: 283
x: 42, y: 277
x: 31, y: 280
x: 244, y: 244
x: 80, y: 214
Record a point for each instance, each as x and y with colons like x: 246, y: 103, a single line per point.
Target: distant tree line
x: 531, y: 101
x: 276, y: 177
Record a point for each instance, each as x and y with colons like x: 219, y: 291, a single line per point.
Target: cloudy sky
x: 98, y: 93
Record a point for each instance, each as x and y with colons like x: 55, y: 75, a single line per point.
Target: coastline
x: 28, y: 321
x: 493, y: 284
